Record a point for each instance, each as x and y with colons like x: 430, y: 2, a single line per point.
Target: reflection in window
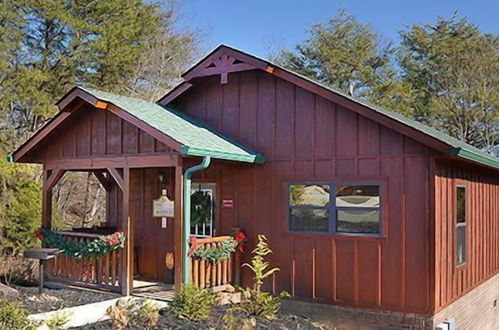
x: 309, y: 207
x: 355, y: 208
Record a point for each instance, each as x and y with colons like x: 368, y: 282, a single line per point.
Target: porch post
x: 177, y: 225
x: 46, y: 201
x: 126, y: 273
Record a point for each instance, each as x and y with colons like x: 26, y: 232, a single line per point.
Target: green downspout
x: 186, y: 227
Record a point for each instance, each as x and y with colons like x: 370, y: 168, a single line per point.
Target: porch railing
x: 216, y: 276
x: 102, y: 272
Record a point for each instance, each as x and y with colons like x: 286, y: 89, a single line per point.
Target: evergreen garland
x: 218, y: 253
x: 85, y: 249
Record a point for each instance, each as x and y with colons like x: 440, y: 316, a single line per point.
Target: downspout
x: 186, y: 224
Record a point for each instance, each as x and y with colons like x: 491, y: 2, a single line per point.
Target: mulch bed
x: 54, y: 299
x: 168, y: 320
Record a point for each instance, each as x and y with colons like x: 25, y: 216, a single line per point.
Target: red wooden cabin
x: 363, y: 208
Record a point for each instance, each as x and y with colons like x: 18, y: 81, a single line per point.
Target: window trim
x: 332, y: 222
x: 465, y: 225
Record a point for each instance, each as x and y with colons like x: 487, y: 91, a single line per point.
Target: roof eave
x: 474, y: 157
x: 250, y: 158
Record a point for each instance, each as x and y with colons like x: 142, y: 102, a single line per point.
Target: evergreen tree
x: 451, y: 69
x: 343, y: 53
x: 47, y: 47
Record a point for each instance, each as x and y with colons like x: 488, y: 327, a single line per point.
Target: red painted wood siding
x: 97, y: 133
x: 308, y: 138
x: 482, y: 217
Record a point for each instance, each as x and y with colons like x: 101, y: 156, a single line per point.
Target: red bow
x: 240, y: 239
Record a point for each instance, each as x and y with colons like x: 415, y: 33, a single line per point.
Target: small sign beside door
x: 228, y: 203
x: 163, y: 207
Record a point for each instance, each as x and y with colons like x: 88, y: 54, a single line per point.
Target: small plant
x: 148, y: 314
x: 258, y: 264
x: 133, y: 314
x: 58, y: 321
x: 12, y: 316
x: 256, y: 302
x: 192, y: 303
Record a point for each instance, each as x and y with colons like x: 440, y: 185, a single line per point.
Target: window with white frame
x: 203, y: 209
x: 460, y: 225
x: 349, y: 208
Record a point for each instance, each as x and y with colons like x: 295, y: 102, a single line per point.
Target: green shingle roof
x: 196, y: 138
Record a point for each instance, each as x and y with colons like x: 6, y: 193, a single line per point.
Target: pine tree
x: 343, y: 53
x: 452, y: 71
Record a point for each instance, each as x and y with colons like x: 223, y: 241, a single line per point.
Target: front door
x: 203, y: 204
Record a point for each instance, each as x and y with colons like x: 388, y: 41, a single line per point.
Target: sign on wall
x: 163, y: 207
x: 228, y: 203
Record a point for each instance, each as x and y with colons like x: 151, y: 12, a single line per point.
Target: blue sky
x: 259, y: 26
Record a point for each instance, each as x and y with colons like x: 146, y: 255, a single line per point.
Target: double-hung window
x: 460, y: 225
x: 335, y: 208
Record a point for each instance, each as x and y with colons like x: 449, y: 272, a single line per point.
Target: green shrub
x: 262, y: 304
x: 133, y: 314
x: 12, y: 316
x: 255, y: 301
x: 192, y: 303
x: 58, y: 321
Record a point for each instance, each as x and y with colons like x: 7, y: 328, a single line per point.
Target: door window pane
x: 202, y: 209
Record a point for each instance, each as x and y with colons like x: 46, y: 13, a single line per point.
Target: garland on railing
x: 219, y: 252
x: 84, y: 249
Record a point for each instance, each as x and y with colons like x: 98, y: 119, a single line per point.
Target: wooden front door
x: 152, y: 241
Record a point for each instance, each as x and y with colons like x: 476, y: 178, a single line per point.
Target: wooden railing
x: 215, y: 276
x: 102, y: 272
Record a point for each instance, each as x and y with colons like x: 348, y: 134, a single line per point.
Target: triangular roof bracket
x: 223, y: 61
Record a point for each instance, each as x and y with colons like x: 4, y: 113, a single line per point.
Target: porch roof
x: 193, y: 137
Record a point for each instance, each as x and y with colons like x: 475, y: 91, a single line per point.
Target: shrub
x: 14, y: 268
x: 12, y: 316
x: 58, y: 321
x: 262, y: 304
x: 256, y: 302
x: 192, y: 303
x: 133, y: 314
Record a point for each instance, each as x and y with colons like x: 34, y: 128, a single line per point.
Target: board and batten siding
x: 482, y: 218
x: 308, y: 138
x: 97, y: 133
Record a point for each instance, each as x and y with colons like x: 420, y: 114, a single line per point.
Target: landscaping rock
x: 8, y: 292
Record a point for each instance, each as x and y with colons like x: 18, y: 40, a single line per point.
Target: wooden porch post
x: 126, y: 273
x: 177, y: 232
x: 46, y: 201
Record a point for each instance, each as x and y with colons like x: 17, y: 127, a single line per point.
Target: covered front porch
x: 149, y: 160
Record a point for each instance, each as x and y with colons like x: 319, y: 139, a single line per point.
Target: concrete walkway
x: 85, y: 314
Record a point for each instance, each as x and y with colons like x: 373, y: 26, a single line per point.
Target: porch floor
x: 153, y: 290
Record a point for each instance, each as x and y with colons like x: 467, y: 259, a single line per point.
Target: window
x: 331, y: 208
x: 203, y: 209
x: 460, y: 225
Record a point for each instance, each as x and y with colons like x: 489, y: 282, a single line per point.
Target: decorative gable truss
x: 222, y: 62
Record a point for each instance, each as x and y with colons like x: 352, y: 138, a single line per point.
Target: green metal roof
x: 196, y: 138
x: 456, y: 147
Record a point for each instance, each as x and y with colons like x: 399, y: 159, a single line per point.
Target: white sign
x: 163, y: 207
